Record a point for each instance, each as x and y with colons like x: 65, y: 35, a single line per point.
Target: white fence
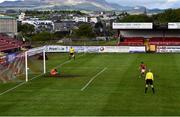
x: 168, y: 49
x: 97, y: 49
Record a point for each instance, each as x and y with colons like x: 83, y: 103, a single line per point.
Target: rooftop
x: 6, y: 17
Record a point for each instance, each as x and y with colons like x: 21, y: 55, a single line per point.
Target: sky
x: 162, y: 4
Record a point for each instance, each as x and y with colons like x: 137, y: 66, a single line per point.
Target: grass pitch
x: 98, y: 84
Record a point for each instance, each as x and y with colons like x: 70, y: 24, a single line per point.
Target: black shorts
x: 71, y: 54
x: 149, y: 82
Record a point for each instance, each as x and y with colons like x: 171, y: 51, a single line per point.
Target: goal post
x: 26, y: 66
x: 41, y: 54
x: 44, y: 61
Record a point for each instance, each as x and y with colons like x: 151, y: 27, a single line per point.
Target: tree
x: 136, y: 18
x: 169, y: 15
x: 84, y: 31
x: 99, y: 28
x: 43, y: 36
x: 26, y: 29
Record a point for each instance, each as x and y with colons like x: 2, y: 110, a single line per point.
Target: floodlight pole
x: 26, y: 67
x: 44, y: 61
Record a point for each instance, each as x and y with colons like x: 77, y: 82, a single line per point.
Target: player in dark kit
x: 149, y: 81
x: 142, y: 69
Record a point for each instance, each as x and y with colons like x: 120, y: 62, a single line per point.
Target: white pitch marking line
x: 68, y: 61
x: 33, y: 78
x: 19, y: 85
x: 93, y: 78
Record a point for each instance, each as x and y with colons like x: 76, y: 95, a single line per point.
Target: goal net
x: 12, y: 67
x: 35, y: 63
x: 20, y: 67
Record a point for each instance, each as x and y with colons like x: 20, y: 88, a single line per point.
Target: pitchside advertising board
x: 168, y: 49
x: 137, y: 49
x: 9, y: 58
x: 98, y: 49
x: 132, y: 26
x: 3, y: 60
x: 174, y: 25
x: 115, y: 49
x: 57, y: 48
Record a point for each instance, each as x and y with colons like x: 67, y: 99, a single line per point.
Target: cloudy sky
x: 148, y: 3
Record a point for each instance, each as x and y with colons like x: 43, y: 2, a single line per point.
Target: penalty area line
x: 9, y: 90
x: 94, y: 77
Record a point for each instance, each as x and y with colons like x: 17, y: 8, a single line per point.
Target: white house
x: 80, y: 19
x: 21, y: 16
x: 94, y: 19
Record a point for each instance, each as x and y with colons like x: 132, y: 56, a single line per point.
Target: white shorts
x: 143, y: 70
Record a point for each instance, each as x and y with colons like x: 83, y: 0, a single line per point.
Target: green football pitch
x: 98, y: 84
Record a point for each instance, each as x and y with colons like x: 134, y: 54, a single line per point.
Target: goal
x: 35, y: 63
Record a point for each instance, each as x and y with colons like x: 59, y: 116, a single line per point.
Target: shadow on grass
x: 63, y: 76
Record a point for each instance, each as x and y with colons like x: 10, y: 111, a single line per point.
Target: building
x: 80, y: 19
x: 40, y: 25
x: 21, y: 16
x: 8, y: 24
x: 63, y: 25
x: 94, y: 19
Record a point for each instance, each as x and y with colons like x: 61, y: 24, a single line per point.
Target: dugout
x: 148, y: 34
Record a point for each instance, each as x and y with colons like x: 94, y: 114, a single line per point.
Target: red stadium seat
x: 132, y: 41
x: 170, y: 41
x: 7, y: 43
x: 139, y: 41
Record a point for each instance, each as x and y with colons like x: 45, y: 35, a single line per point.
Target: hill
x: 96, y: 5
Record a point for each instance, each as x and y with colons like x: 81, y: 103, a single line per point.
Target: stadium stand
x: 168, y: 41
x: 8, y: 43
x: 139, y: 41
x: 132, y: 41
x: 147, y: 34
